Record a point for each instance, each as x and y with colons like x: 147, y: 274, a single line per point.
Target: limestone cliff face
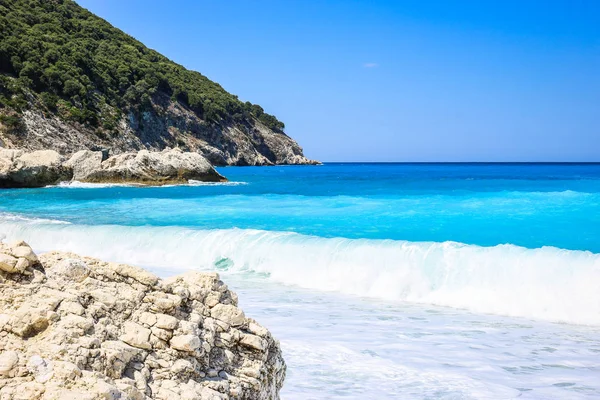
x: 73, y: 327
x: 164, y: 124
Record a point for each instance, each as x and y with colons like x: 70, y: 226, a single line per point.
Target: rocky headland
x: 167, y: 124
x: 47, y: 167
x: 70, y: 81
x: 73, y: 327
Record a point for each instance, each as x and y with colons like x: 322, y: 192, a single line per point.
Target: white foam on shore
x: 87, y: 185
x: 547, y: 283
x: 192, y: 182
x: 8, y: 218
x: 347, y: 347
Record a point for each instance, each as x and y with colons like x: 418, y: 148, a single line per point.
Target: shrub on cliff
x: 57, y: 49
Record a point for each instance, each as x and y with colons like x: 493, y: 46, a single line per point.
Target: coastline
x: 21, y: 169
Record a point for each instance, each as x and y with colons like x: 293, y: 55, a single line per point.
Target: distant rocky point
x: 46, y: 167
x: 73, y: 327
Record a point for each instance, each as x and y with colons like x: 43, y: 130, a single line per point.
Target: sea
x: 381, y: 281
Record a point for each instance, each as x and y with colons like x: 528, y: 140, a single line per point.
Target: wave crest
x: 547, y: 283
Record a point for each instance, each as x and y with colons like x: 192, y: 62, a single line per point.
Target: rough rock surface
x: 74, y: 327
x: 167, y: 124
x: 167, y: 166
x: 19, y: 169
x: 35, y: 169
x: 84, y: 163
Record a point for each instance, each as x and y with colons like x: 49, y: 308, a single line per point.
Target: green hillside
x: 76, y: 65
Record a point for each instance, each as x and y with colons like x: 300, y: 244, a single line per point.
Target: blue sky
x: 444, y: 80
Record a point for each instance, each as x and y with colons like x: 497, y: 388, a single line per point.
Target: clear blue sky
x: 445, y: 80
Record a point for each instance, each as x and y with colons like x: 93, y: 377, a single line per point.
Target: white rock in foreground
x: 74, y: 327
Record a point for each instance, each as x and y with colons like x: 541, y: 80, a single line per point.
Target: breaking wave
x: 547, y: 283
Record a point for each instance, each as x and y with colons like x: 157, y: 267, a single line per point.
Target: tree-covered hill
x: 61, y: 59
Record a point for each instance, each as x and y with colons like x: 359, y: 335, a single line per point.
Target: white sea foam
x: 339, y: 346
x: 547, y: 283
x: 87, y: 185
x: 192, y: 182
x: 8, y: 218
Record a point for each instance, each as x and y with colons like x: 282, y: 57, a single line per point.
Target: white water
x: 87, y: 185
x: 545, y: 284
x: 357, y: 318
x: 351, y: 348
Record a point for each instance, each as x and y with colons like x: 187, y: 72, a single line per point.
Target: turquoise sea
x: 455, y: 281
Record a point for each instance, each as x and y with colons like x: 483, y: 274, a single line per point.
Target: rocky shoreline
x: 74, y: 327
x: 20, y: 169
x: 165, y: 124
